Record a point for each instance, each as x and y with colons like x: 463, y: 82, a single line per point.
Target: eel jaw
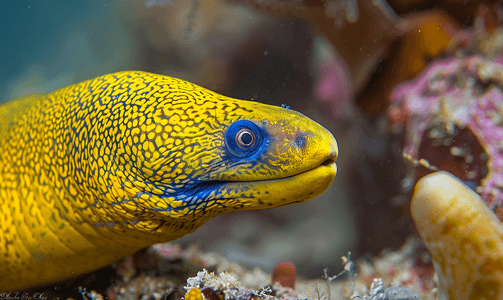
x: 271, y: 193
x: 224, y: 197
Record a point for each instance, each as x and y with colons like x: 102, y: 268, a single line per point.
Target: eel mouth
x: 330, y: 160
x: 276, y: 192
x: 225, y: 196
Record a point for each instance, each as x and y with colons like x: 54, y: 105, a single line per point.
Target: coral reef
x: 393, y: 275
x: 225, y: 286
x: 452, y: 116
x: 228, y: 287
x: 378, y: 291
x: 170, y: 272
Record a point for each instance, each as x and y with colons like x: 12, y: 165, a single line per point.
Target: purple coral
x: 451, y: 96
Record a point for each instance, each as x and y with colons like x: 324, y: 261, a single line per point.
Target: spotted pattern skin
x: 464, y: 237
x: 98, y: 170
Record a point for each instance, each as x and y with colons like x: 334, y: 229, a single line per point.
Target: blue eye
x: 243, y: 138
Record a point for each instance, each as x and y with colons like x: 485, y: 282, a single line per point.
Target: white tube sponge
x: 464, y: 237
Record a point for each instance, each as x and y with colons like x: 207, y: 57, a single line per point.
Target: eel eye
x: 243, y: 138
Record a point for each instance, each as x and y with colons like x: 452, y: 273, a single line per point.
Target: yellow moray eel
x: 101, y: 169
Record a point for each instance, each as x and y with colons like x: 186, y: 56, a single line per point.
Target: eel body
x: 101, y: 169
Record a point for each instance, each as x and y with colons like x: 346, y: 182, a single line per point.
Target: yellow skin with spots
x: 98, y: 170
x: 464, y: 237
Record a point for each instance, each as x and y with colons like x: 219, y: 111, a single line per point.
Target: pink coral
x: 452, y: 96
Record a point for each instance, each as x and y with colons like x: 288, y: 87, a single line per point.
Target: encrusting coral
x: 463, y: 236
x: 452, y: 114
